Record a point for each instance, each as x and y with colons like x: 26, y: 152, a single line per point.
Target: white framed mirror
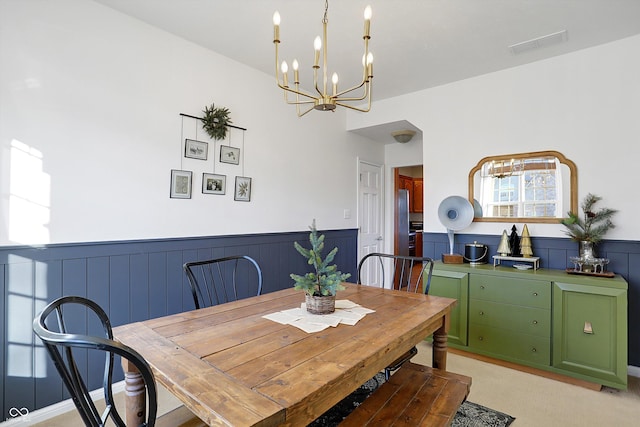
x: 534, y: 187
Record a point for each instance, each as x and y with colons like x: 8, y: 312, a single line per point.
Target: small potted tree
x: 591, y: 228
x: 321, y: 284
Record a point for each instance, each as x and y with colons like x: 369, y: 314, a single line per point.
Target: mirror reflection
x: 525, y: 187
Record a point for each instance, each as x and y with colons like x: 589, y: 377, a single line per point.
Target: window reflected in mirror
x: 525, y: 187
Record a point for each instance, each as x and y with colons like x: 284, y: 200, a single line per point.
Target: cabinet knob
x: 480, y: 339
x: 535, y: 322
x: 534, y: 350
x: 482, y: 287
x: 535, y: 294
x: 481, y: 313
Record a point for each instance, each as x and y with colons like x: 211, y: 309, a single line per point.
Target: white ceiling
x: 417, y: 44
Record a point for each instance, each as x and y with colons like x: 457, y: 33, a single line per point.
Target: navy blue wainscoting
x: 132, y: 281
x: 554, y: 253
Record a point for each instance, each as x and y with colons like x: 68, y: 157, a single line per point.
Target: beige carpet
x: 540, y: 402
x: 534, y: 401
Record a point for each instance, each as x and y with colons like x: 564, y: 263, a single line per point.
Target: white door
x: 370, y: 218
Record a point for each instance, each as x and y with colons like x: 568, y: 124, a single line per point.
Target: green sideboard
x: 569, y: 324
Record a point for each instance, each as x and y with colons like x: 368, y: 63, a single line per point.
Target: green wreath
x: 215, y: 121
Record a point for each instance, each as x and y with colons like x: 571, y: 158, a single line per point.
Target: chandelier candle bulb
x: 334, y: 80
x: 367, y: 22
x: 296, y: 76
x: 276, y: 27
x: 317, y: 45
x: 285, y: 69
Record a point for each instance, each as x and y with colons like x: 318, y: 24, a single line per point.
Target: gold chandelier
x: 322, y: 100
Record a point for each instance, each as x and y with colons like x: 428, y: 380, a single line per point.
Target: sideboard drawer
x: 526, y: 292
x: 509, y: 344
x: 527, y: 320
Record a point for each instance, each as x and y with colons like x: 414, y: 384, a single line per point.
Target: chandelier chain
x: 326, y: 11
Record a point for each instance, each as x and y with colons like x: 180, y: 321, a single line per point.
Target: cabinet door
x: 418, y: 194
x: 453, y: 285
x: 590, y: 332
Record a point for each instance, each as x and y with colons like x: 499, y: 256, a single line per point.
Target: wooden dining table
x: 230, y: 366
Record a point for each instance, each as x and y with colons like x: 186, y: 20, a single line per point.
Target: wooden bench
x: 415, y: 395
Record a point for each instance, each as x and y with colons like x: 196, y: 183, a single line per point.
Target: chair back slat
x: 64, y: 344
x: 409, y: 273
x: 220, y: 280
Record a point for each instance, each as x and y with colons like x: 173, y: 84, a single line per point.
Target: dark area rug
x: 469, y: 415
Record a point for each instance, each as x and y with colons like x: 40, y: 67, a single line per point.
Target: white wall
x: 90, y: 129
x: 585, y: 105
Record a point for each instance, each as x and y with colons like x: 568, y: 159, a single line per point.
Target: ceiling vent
x: 540, y: 42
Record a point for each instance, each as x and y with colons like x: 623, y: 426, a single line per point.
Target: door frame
x: 396, y: 187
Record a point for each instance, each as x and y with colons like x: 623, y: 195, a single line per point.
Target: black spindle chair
x: 64, y: 346
x: 409, y: 273
x: 221, y: 280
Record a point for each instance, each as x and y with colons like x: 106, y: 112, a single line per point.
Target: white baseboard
x: 634, y: 371
x: 56, y: 409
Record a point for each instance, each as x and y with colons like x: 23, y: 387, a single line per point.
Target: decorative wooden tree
x: 503, y: 248
x: 525, y: 243
x: 514, y: 242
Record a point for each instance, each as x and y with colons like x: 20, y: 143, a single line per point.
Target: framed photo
x: 196, y: 149
x: 229, y: 154
x: 180, y: 184
x: 242, y: 192
x: 214, y: 184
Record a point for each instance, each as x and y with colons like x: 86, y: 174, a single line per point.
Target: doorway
x: 408, y: 216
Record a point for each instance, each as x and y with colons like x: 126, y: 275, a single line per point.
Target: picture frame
x: 242, y: 192
x: 196, y: 149
x: 180, y: 184
x: 229, y: 154
x: 214, y: 184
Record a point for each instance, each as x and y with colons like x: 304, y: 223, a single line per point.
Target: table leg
x: 135, y: 395
x: 440, y: 344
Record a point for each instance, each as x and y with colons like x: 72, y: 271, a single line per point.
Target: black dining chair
x: 55, y: 326
x: 409, y: 273
x: 220, y: 280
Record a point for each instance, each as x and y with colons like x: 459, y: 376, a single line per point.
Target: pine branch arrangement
x: 325, y: 279
x: 215, y: 121
x: 593, y: 226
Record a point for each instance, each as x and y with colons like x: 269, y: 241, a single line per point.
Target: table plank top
x: 230, y: 366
